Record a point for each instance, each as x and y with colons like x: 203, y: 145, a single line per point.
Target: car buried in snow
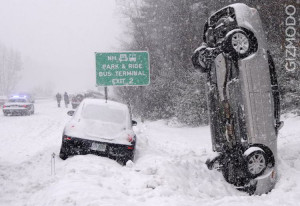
x: 18, y: 105
x: 100, y: 127
x: 243, y: 98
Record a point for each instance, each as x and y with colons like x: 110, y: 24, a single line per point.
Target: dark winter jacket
x: 66, y: 98
x: 58, y: 97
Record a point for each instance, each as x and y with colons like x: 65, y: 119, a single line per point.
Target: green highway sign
x: 122, y: 69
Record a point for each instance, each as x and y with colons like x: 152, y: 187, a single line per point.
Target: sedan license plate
x: 98, y: 147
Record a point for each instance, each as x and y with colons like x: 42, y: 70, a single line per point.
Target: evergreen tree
x: 170, y: 31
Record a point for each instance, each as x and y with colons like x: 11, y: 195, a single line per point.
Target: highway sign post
x: 122, y: 68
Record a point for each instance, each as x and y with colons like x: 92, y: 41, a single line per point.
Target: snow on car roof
x: 104, y: 102
x: 110, y: 111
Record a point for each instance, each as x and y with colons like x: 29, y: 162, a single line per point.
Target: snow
x: 104, y: 102
x: 251, y: 149
x: 169, y: 167
x: 104, y: 113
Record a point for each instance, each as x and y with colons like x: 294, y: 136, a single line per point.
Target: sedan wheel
x: 123, y: 160
x: 63, y: 154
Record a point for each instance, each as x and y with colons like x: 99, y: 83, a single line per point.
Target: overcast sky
x: 57, y: 39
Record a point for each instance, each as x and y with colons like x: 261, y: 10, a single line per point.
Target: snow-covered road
x: 168, y: 169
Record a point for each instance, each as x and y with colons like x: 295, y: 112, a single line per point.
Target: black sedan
x: 100, y: 127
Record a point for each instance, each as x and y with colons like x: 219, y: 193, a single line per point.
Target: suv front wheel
x: 239, y: 43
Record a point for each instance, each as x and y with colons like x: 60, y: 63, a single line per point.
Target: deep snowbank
x: 168, y: 169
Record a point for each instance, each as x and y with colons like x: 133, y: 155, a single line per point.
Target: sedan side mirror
x: 71, y: 113
x: 134, y: 123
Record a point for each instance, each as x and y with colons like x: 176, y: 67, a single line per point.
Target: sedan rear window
x: 104, y: 113
x: 16, y: 100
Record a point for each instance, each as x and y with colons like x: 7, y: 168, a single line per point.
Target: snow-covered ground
x: 168, y: 169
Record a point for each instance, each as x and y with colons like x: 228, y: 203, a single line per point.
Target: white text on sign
x: 116, y: 66
x: 122, y: 73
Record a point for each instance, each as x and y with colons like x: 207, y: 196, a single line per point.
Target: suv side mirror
x: 71, y: 112
x: 134, y: 123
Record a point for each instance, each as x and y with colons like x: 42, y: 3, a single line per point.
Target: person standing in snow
x: 66, y: 99
x: 58, y: 99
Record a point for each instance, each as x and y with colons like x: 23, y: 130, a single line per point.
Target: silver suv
x: 243, y: 98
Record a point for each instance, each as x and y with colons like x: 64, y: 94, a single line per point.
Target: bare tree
x: 10, y: 66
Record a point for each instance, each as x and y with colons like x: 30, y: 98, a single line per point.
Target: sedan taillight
x: 130, y: 138
x: 67, y: 138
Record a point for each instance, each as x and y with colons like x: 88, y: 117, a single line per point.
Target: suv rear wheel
x: 256, y: 161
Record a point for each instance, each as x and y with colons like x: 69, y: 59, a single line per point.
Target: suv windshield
x: 104, y: 113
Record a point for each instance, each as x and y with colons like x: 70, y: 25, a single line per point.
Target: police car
x: 18, y: 105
